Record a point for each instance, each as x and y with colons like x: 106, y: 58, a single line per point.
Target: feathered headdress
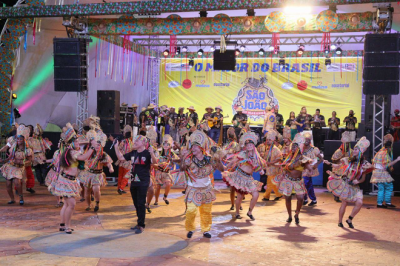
x: 362, y: 144
x: 68, y: 133
x: 248, y: 137
x: 38, y: 130
x: 346, y: 137
x: 23, y: 131
x: 287, y: 133
x: 98, y: 136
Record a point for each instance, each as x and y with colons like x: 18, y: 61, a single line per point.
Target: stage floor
x: 29, y: 231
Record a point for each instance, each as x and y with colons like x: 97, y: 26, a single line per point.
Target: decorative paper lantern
x: 327, y: 21
x: 275, y: 22
x: 221, y: 24
x: 354, y: 20
x: 173, y: 24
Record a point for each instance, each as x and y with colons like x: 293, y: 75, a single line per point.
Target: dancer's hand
x: 262, y: 172
x: 355, y: 182
x: 151, y: 150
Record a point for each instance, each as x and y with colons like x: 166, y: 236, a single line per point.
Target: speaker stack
x: 381, y: 64
x: 108, y: 103
x: 70, y: 64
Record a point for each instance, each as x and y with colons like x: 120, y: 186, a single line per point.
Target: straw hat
x: 271, y: 135
x: 388, y: 138
x: 181, y: 108
x: 287, y: 132
x: 307, y: 135
x: 219, y: 107
x: 191, y: 108
x: 239, y: 109
x: 209, y: 107
x: 151, y: 106
x: 362, y: 144
x: 134, y: 105
x: 124, y: 104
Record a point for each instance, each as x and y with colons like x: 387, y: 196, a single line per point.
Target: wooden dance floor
x: 29, y: 234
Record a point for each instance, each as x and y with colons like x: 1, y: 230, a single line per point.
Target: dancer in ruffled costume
x: 164, y: 167
x: 240, y: 172
x: 383, y: 163
x: 66, y: 185
x: 291, y: 177
x: 346, y: 186
x: 93, y: 176
x: 14, y: 168
x: 199, y: 166
x: 39, y: 145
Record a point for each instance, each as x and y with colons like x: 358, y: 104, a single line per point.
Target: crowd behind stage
x: 187, y: 154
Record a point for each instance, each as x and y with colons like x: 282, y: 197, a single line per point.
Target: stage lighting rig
x: 178, y: 50
x: 261, y: 51
x: 237, y: 52
x: 200, y: 52
x: 251, y: 13
x: 14, y: 96
x: 203, y: 14
x: 339, y: 51
x: 212, y: 48
x: 383, y: 18
x: 300, y: 51
x: 16, y: 113
x: 191, y: 62
x: 242, y: 48
x: 327, y: 49
x: 328, y: 61
x: 166, y: 53
x: 184, y: 49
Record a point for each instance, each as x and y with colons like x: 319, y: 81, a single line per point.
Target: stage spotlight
x: 261, y: 51
x: 327, y: 49
x: 328, y: 61
x: 338, y: 51
x: 300, y: 51
x: 277, y: 50
x: 282, y: 61
x: 166, y: 52
x: 191, y: 62
x: 251, y: 13
x: 242, y: 48
x: 178, y: 50
x: 271, y: 48
x: 16, y: 113
x: 237, y: 52
x: 184, y: 49
x: 212, y: 49
x: 333, y: 47
x: 297, y: 10
x: 200, y: 52
x: 14, y: 96
x: 203, y: 14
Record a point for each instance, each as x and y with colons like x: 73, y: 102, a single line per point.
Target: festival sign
x: 260, y: 82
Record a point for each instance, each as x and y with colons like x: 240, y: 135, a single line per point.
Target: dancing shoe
x: 207, y: 235
x: 135, y: 227
x: 305, y: 202
x: 381, y: 206
x: 189, y: 234
x: 30, y: 190
x: 11, y: 202
x: 264, y: 199
x: 277, y: 198
x: 389, y: 205
x: 313, y: 203
x: 139, y: 230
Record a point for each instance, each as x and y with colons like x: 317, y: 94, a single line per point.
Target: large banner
x: 257, y: 83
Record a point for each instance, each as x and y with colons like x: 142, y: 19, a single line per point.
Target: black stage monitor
x: 224, y: 61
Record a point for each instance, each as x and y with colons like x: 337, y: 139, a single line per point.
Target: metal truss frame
x: 249, y: 41
x: 153, y: 78
x: 378, y: 128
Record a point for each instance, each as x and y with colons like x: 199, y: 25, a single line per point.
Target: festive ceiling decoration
x: 275, y: 22
x: 327, y: 21
x: 224, y: 25
x: 164, y: 6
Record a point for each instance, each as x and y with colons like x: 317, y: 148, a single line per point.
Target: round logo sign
x: 302, y: 85
x: 187, y: 83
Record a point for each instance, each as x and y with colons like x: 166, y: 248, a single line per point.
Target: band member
x: 66, y: 185
x: 163, y: 168
x: 291, y: 122
x: 346, y: 186
x: 303, y: 120
x: 125, y: 146
x: 240, y: 172
x: 182, y: 118
x: 334, y: 123
x: 314, y: 154
x: 14, y: 168
x: 291, y: 178
x: 272, y: 156
x: 142, y: 118
x: 383, y: 163
x: 173, y: 123
x: 199, y: 166
x: 318, y: 122
x: 351, y: 122
x: 343, y: 152
x: 193, y: 118
x: 207, y: 115
x: 141, y: 160
x: 239, y: 120
x: 269, y: 120
x: 163, y: 115
x: 215, y: 130
x: 151, y: 116
x: 279, y: 120
x: 395, y: 125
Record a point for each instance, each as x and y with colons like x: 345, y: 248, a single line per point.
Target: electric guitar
x: 214, y: 122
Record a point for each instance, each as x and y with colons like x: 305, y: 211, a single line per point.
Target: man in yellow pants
x: 272, y: 155
x: 199, y: 166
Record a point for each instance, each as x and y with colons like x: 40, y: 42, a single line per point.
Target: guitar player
x: 215, y: 130
x: 173, y: 121
x: 239, y: 121
x: 207, y: 115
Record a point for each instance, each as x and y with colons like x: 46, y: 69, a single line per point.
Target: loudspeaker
x: 224, y: 61
x: 381, y: 64
x: 108, y: 103
x: 109, y: 126
x: 70, y: 64
x: 381, y: 43
x: 380, y: 87
x: 381, y: 73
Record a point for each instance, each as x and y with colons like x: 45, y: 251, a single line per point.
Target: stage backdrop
x: 257, y: 83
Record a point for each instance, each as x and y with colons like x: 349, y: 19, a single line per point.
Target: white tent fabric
x: 45, y: 105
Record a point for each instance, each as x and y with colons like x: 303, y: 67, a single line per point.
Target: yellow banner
x: 257, y: 83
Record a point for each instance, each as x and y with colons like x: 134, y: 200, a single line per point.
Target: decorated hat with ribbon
x: 167, y: 138
x: 199, y: 138
x: 362, y: 144
x: 346, y: 137
x: 68, y: 133
x: 38, y: 130
x: 98, y: 136
x: 299, y: 140
x: 151, y: 134
x: 23, y: 131
x: 307, y: 135
x: 287, y: 133
x: 127, y: 129
x: 388, y: 138
x: 248, y: 137
x: 271, y: 135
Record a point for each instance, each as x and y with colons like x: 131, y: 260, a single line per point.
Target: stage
x: 269, y: 239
